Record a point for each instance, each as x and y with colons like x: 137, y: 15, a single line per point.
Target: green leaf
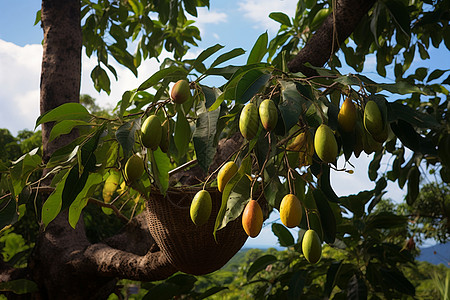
x: 160, y: 169
x: 410, y: 115
x: 66, y: 111
x: 401, y: 87
x: 172, y: 73
x: 239, y: 196
x: 19, y: 286
x: 260, y: 264
x: 38, y: 18
x: 82, y: 198
x: 327, y: 217
x: 396, y: 280
x: 296, y: 284
x: 401, y: 15
x: 259, y: 49
x: 73, y: 185
x: 65, y: 127
x: 125, y: 134
x: 332, y: 276
x: 52, y: 205
x: 182, y: 133
x: 284, y: 236
x: 250, y: 84
x: 385, y: 220
x: 436, y: 74
x: 413, y: 185
x: 291, y: 107
x: 205, y: 54
x: 281, y: 18
x: 101, y: 80
x: 203, y: 137
x: 227, y: 56
x: 126, y: 101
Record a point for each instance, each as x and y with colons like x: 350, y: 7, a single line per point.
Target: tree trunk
x: 336, y: 28
x: 61, y: 63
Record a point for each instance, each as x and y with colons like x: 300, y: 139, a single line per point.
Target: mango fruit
x: 347, y: 115
x: 252, y: 219
x: 298, y: 142
x: 325, y: 144
x: 201, y: 206
x: 151, y: 132
x: 249, y: 121
x: 290, y: 211
x: 268, y: 114
x: 110, y: 186
x: 303, y: 144
x: 165, y: 141
x: 311, y: 246
x: 180, y: 92
x: 226, y: 172
x: 134, y: 168
x: 373, y: 119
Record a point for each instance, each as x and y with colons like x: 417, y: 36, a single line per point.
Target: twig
x: 107, y: 205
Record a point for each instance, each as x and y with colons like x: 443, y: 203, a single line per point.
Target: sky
x: 230, y: 23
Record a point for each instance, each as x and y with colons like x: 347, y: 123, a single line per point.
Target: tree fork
x: 336, y: 28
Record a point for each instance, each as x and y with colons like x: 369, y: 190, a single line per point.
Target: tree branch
x: 112, y: 262
x: 320, y: 47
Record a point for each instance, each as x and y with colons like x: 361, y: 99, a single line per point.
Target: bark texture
x: 61, y: 63
x: 320, y: 47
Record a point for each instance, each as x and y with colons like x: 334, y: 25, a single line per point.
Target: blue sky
x: 230, y: 23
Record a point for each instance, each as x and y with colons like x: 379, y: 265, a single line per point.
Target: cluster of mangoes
x: 153, y: 134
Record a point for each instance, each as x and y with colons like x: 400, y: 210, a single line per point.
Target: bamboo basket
x: 190, y: 248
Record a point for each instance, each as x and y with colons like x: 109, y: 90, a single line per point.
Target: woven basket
x: 190, y: 248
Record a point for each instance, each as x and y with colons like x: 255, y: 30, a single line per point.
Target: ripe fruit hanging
x: 249, y: 121
x: 373, y: 120
x: 134, y: 168
x: 180, y: 92
x: 290, y: 211
x: 200, y: 209
x: 110, y: 186
x: 268, y: 114
x: 252, y: 218
x: 311, y: 246
x: 325, y: 144
x: 347, y: 115
x: 151, y: 132
x: 226, y: 172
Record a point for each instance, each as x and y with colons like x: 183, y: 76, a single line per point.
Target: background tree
x: 76, y: 164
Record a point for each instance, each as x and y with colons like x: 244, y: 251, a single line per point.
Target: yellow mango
x: 347, y: 115
x: 290, y: 211
x: 226, y: 172
x: 325, y: 144
x: 201, y: 206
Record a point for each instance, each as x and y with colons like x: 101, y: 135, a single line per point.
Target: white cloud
x: 19, y: 78
x: 258, y: 11
x: 207, y: 17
